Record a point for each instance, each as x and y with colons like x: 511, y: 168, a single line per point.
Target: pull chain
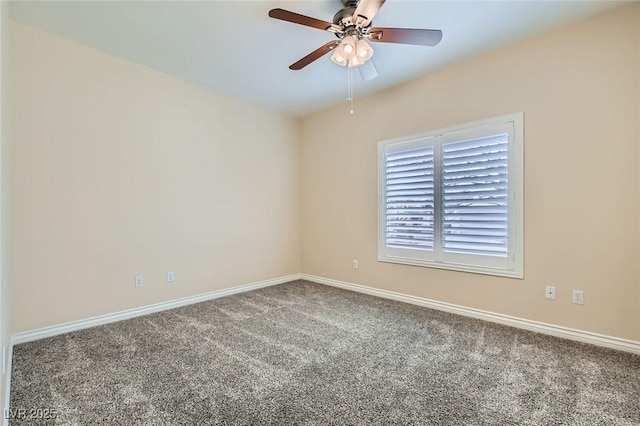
x: 350, y: 86
x: 348, y: 83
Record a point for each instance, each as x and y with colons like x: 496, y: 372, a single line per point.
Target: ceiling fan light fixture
x: 352, y: 52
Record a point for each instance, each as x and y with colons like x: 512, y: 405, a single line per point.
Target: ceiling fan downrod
x: 350, y: 3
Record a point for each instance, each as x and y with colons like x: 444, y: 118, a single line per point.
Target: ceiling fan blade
x: 296, y: 18
x: 368, y: 70
x: 365, y: 11
x: 406, y: 36
x: 316, y: 54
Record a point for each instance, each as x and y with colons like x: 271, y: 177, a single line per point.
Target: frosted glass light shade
x: 354, y: 61
x: 338, y: 59
x: 363, y: 50
x: 348, y: 47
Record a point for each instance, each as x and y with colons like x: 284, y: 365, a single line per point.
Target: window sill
x: 453, y: 267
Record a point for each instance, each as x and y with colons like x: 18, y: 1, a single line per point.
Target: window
x: 453, y: 198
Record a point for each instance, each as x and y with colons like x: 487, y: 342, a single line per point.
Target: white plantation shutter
x: 409, y: 186
x: 475, y: 194
x: 452, y: 198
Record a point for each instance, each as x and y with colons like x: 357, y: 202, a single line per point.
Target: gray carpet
x: 303, y: 353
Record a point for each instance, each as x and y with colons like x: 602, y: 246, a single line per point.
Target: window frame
x: 513, y: 265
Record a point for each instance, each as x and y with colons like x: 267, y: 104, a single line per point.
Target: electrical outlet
x: 578, y: 297
x: 550, y: 292
x: 355, y: 264
x: 139, y: 281
x: 171, y: 276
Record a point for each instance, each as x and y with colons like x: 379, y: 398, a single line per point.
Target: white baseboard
x: 539, y: 327
x: 68, y: 327
x: 525, y: 324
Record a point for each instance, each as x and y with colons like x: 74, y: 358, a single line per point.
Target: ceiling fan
x: 352, y: 27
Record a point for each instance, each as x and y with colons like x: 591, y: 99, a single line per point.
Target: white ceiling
x: 233, y: 47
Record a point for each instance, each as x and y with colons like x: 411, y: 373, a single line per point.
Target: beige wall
x: 5, y: 304
x: 638, y: 140
x: 578, y: 88
x: 120, y: 170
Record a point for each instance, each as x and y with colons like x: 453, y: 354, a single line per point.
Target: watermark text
x: 31, y: 413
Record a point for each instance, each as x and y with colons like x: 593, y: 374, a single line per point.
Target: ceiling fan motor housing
x: 343, y: 17
x: 350, y: 3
